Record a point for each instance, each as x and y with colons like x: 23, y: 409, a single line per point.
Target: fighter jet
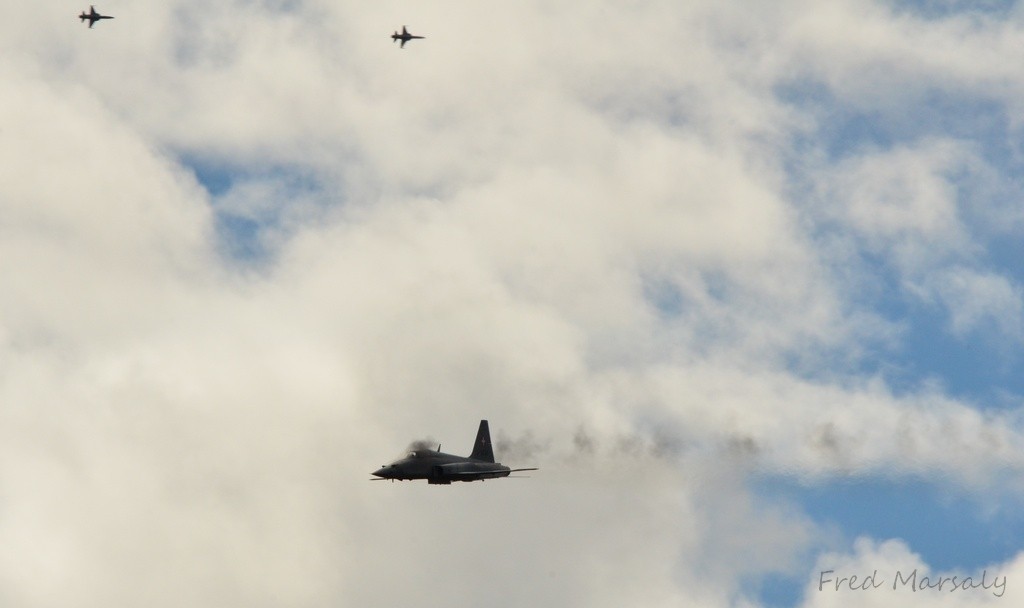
x: 405, y: 36
x: 440, y: 468
x: 92, y: 16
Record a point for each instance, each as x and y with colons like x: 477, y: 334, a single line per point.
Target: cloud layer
x: 248, y: 252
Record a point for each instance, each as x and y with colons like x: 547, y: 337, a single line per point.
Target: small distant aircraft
x: 92, y: 16
x: 440, y: 468
x: 405, y: 36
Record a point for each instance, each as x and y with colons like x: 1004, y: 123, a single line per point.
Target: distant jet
x: 92, y: 16
x: 438, y: 467
x: 405, y: 36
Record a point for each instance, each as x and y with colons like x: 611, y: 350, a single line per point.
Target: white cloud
x: 914, y: 209
x: 582, y: 230
x: 980, y: 300
x: 890, y: 61
x: 902, y: 195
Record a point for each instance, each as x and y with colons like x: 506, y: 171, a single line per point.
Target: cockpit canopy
x: 419, y: 449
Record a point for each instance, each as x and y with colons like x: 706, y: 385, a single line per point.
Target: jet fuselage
x: 405, y: 36
x: 438, y: 467
x: 92, y: 16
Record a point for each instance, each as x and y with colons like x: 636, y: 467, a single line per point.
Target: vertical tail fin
x: 482, y: 448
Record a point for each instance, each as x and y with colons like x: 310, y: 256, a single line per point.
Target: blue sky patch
x: 950, y: 528
x: 255, y: 206
x: 943, y: 9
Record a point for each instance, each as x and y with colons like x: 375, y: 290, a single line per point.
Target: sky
x: 742, y: 279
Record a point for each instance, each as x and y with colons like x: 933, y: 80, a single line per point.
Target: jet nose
x: 381, y: 472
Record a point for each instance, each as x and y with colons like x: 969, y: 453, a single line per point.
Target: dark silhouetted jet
x: 405, y: 36
x: 92, y: 16
x: 438, y: 467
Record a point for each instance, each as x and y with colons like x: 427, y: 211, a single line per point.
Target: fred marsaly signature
x: 829, y: 580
